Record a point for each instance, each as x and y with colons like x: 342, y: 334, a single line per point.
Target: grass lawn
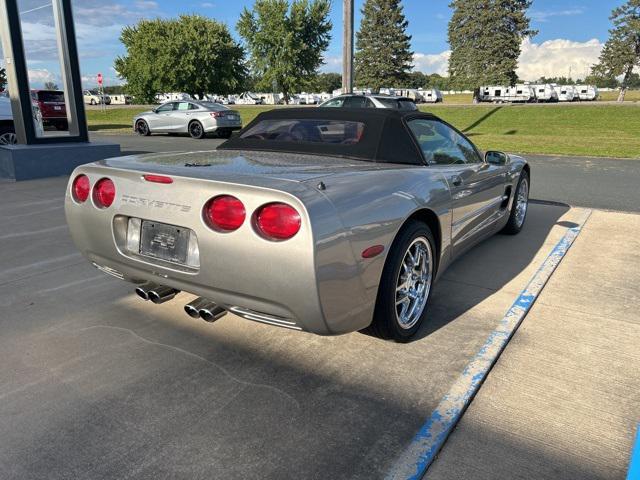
x: 590, y: 130
x: 630, y: 96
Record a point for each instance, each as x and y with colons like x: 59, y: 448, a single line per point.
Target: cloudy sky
x: 571, y: 33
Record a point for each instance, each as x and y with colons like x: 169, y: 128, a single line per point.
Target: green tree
x: 50, y: 86
x: 285, y: 42
x: 621, y: 53
x: 383, y: 49
x: 191, y: 54
x: 416, y: 79
x: 3, y: 79
x: 558, y: 80
x: 485, y: 38
x: 601, y: 81
x: 325, y: 82
x: 437, y: 81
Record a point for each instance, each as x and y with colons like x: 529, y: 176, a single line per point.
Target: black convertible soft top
x: 385, y: 137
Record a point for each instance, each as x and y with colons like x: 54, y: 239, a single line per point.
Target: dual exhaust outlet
x: 198, y: 308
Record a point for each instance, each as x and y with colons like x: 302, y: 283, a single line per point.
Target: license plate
x: 57, y: 108
x: 232, y: 117
x: 165, y: 242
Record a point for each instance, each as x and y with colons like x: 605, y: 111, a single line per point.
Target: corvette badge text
x: 145, y: 202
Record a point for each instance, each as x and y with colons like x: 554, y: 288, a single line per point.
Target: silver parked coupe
x: 324, y: 220
x: 197, y: 118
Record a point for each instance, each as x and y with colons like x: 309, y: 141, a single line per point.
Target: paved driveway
x: 95, y: 383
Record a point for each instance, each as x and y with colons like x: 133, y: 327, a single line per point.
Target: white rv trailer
x: 545, y: 93
x: 270, y: 98
x: 566, y: 93
x: 431, y: 95
x: 310, y: 98
x: 411, y: 93
x: 248, y: 98
x: 501, y: 94
x: 587, y: 92
x: 120, y: 99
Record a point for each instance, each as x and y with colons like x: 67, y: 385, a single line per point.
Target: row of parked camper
x: 417, y: 95
x: 250, y: 98
x: 527, y: 93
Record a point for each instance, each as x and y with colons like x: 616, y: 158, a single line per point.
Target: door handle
x: 457, y: 181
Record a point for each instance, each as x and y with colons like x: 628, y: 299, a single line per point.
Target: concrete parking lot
x: 98, y: 384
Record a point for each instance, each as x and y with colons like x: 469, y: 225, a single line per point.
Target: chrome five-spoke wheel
x: 414, y: 283
x: 522, y: 201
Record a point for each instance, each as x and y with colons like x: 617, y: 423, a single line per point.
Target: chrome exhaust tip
x: 143, y: 290
x: 193, y: 308
x: 162, y: 294
x: 211, y: 312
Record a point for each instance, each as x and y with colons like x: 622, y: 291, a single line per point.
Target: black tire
x: 516, y: 222
x: 61, y: 126
x: 196, y: 130
x: 7, y: 135
x: 385, y: 322
x: 92, y: 102
x: 142, y: 128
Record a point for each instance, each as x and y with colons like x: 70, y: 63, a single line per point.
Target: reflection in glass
x: 46, y: 84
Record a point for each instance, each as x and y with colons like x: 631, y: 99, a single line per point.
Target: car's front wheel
x: 142, y: 128
x: 518, y: 213
x: 196, y: 130
x: 8, y: 136
x: 405, y: 286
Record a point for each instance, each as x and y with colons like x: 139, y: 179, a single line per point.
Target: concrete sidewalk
x: 563, y: 400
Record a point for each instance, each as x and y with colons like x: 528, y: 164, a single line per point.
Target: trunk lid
x: 241, y: 166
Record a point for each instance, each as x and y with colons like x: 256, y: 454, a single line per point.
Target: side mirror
x: 496, y: 158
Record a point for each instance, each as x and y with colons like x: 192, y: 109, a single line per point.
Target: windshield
x: 213, y: 106
x: 306, y: 130
x: 57, y: 97
x: 400, y: 104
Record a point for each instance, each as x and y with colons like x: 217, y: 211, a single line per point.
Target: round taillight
x: 224, y: 212
x: 278, y: 221
x: 80, y: 188
x: 104, y: 193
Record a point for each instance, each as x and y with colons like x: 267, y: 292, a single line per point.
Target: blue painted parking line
x: 415, y: 460
x: 634, y: 464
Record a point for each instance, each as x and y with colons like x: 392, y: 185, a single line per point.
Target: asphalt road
x: 604, y: 183
x: 97, y: 384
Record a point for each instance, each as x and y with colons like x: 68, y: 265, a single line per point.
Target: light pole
x: 347, y: 47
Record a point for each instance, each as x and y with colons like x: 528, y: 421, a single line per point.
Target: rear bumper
x: 272, y: 282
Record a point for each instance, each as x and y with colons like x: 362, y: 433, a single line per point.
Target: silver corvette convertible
x: 322, y: 220
x: 196, y: 118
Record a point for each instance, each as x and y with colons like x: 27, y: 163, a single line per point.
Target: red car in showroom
x: 53, y: 108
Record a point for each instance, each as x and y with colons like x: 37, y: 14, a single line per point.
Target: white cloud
x: 207, y: 5
x: 545, y: 15
x: 146, y: 4
x: 554, y: 58
x: 37, y: 77
x: 432, y: 63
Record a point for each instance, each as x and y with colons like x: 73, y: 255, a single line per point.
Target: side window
x: 167, y: 107
x: 368, y: 103
x: 355, y: 102
x: 470, y: 153
x: 440, y: 144
x: 181, y: 106
x: 334, y: 102
x: 193, y: 106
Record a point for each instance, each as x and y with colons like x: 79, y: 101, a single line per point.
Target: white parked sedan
x: 193, y: 117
